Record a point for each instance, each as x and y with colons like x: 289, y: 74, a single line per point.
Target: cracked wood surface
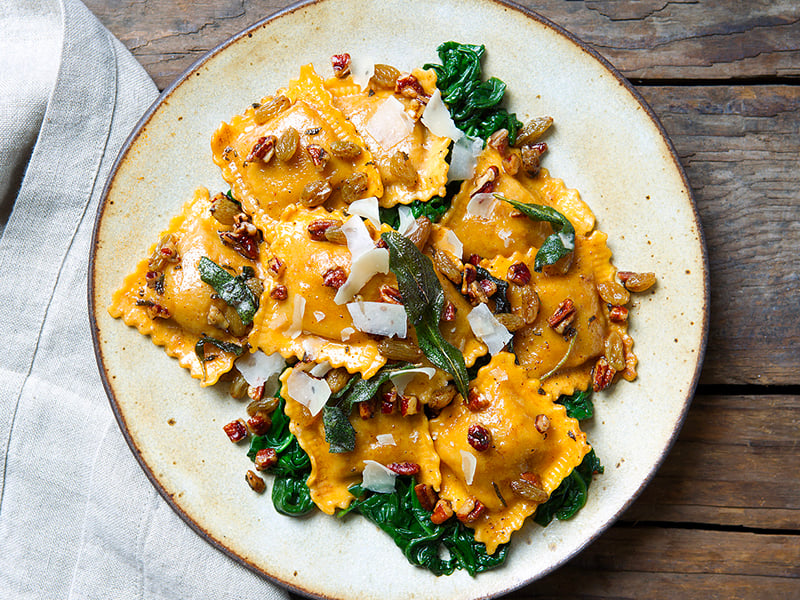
x: 721, y: 517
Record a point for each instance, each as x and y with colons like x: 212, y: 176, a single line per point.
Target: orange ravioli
x: 517, y: 447
x: 332, y: 474
x: 426, y: 152
x: 185, y: 296
x: 267, y: 188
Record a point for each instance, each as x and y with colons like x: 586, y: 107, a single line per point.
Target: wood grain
x: 734, y: 464
x: 740, y: 146
x: 647, y: 39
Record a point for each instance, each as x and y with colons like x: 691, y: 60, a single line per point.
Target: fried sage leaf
x: 558, y: 244
x: 231, y: 289
x: 423, y: 299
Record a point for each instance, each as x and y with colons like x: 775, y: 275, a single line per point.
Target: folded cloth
x: 78, y: 517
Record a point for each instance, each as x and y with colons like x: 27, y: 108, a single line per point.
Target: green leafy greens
x: 569, y: 497
x: 231, y: 289
x: 473, y: 103
x: 401, y: 516
x: 558, y: 244
x: 290, y: 494
x: 579, y: 405
x: 423, y: 298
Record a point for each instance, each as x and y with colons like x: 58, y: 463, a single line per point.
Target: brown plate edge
x: 134, y: 135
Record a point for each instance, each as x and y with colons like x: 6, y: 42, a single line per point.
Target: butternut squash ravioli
x: 414, y: 310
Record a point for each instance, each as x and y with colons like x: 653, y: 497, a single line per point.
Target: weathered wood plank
x: 741, y: 150
x: 735, y: 463
x: 649, y: 39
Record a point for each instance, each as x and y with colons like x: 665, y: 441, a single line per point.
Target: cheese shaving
x: 481, y: 205
x: 487, y: 329
x: 468, y: 465
x: 402, y: 378
x: 379, y: 318
x: 452, y: 244
x: 362, y: 270
x: 407, y: 220
x: 368, y: 209
x: 321, y: 369
x: 359, y: 241
x: 361, y: 69
x: 296, y: 326
x: 385, y: 439
x: 437, y: 118
x: 378, y: 478
x: 347, y: 332
x: 258, y: 369
x: 308, y: 391
x: 389, y: 124
x: 464, y: 158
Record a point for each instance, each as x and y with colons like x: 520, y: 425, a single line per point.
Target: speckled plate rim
x: 118, y: 413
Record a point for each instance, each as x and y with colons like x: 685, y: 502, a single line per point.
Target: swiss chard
x: 473, y: 103
x: 401, y: 516
x: 558, y: 244
x: 423, y: 298
x: 232, y: 290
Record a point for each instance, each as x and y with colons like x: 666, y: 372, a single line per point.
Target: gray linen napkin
x: 78, y: 518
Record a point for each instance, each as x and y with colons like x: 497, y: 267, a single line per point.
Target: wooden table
x: 722, y: 517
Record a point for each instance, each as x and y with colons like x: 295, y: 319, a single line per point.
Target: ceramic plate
x: 606, y: 143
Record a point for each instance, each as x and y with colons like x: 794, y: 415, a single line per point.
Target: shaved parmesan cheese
x: 378, y: 478
x: 308, y: 391
x: 321, y: 369
x: 296, y: 326
x: 362, y: 270
x: 487, y: 329
x: 402, y: 378
x: 407, y: 220
x: 319, y: 315
x: 361, y: 68
x: 385, y: 439
x: 347, y: 332
x: 437, y: 118
x: 463, y: 159
x: 380, y: 318
x: 480, y: 205
x: 311, y: 347
x: 568, y: 241
x: 368, y: 209
x: 452, y: 244
x: 389, y: 124
x: 468, y: 465
x: 359, y: 241
x: 258, y: 369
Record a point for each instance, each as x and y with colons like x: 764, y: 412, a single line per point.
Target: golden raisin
x: 316, y: 193
x: 271, y: 108
x: 402, y: 169
x: 345, y: 150
x: 287, y: 144
x: 385, y: 76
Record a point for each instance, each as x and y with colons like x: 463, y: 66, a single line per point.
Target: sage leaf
x: 339, y: 432
x: 199, y: 347
x: 423, y: 299
x: 558, y: 244
x: 232, y: 290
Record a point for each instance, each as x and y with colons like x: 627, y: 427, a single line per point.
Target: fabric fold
x: 78, y: 517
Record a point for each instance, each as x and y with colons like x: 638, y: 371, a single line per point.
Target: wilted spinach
x: 569, y: 497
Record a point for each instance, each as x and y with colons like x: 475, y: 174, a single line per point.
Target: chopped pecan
x: 365, y: 409
x: 341, y: 65
x: 390, y: 294
x: 404, y: 468
x: 275, y: 266
x: 259, y: 424
x: 166, y: 252
x: 488, y: 286
x: 485, y: 184
x: 318, y: 155
x: 602, y: 375
x: 519, y: 273
x: 388, y: 400
x: 266, y: 458
x: 426, y: 495
x: 263, y: 149
x: 241, y: 241
x: 618, y: 314
x: 449, y: 312
x: 499, y: 141
x: 154, y: 310
x: 511, y: 164
x: 479, y: 437
x: 530, y: 158
x: 470, y: 510
x: 441, y: 512
x: 236, y: 430
x: 279, y: 292
x: 409, y: 86
x: 155, y: 281
x: 409, y: 405
x: 318, y: 227
x: 334, y: 277
x: 255, y: 482
x: 563, y: 316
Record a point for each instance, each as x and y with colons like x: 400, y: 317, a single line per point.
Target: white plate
x: 606, y: 143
